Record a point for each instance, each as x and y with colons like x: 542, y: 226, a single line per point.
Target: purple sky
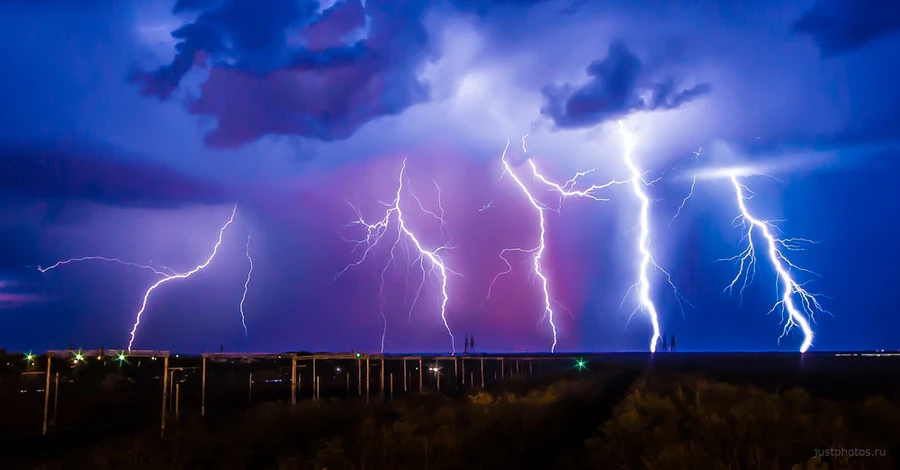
x: 131, y: 129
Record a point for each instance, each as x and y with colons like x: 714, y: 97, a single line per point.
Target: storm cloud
x: 618, y: 86
x: 483, y: 7
x: 840, y: 27
x: 184, y: 125
x: 69, y: 171
x: 284, y: 68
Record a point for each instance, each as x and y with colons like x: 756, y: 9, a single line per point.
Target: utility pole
x: 56, y: 401
x: 437, y: 372
x: 294, y: 380
x: 203, y: 386
x: 315, y: 379
x: 381, y: 389
x: 47, y: 392
x: 482, y: 372
x: 165, y: 397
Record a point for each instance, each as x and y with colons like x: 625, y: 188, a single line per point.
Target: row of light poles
x: 171, y: 389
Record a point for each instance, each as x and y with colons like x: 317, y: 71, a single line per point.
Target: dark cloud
x: 841, y: 26
x: 280, y: 67
x: 89, y: 5
x: 615, y: 89
x: 188, y: 6
x: 66, y: 171
x: 483, y: 7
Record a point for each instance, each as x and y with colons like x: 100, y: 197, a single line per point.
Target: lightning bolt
x: 685, y: 200
x: 565, y: 190
x: 246, y: 285
x: 645, y: 255
x: 160, y: 272
x: 536, y: 252
x: 690, y: 194
x: 173, y: 277
x: 376, y: 231
x: 789, y: 288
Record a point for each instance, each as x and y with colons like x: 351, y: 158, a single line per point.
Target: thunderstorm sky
x: 130, y: 130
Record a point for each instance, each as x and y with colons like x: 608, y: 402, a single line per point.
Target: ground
x: 618, y: 411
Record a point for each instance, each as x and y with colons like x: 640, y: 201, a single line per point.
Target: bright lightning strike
x: 160, y: 272
x: 643, y: 284
x: 173, y: 277
x: 567, y: 189
x: 536, y: 252
x: 808, y: 303
x: 646, y: 257
x: 246, y: 285
x: 375, y: 232
x: 564, y: 190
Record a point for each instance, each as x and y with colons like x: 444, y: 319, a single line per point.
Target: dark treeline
x: 620, y: 420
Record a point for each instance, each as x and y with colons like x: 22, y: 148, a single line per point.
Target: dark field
x: 678, y: 410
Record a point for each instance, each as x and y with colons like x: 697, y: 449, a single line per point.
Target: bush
x: 656, y: 424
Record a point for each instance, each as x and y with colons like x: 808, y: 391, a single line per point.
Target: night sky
x: 131, y: 129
